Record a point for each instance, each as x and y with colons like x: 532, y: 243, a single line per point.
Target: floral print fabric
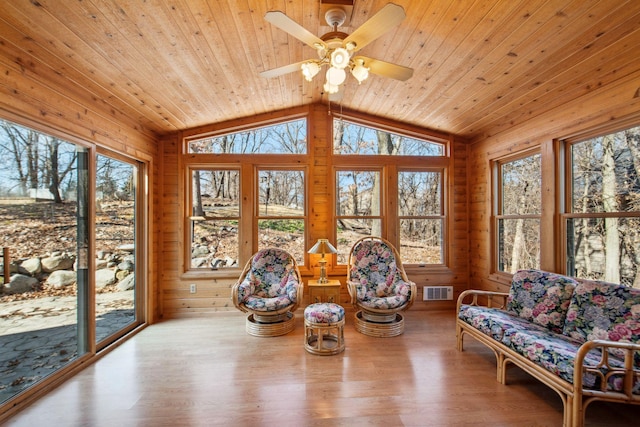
x: 541, y: 297
x: 271, y: 281
x: 379, y: 282
x: 324, y: 313
x: 594, y: 310
x: 601, y: 310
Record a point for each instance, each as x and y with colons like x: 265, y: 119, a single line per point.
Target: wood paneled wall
x: 213, y: 290
x: 605, y: 109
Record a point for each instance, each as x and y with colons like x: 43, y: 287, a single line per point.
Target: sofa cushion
x: 607, y: 311
x: 556, y: 353
x: 492, y: 321
x: 541, y: 297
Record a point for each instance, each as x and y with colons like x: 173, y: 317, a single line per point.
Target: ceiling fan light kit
x: 336, y: 49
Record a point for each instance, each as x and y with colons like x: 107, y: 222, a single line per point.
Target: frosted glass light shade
x: 336, y: 76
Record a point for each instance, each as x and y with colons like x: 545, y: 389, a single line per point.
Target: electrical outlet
x: 192, y: 288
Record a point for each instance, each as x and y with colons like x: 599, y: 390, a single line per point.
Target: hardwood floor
x: 208, y: 371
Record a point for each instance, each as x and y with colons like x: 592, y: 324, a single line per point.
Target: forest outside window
x: 421, y: 216
x: 281, y: 211
x: 358, y: 212
x: 390, y: 185
x: 215, y: 215
x: 518, y: 213
x: 603, y: 208
x: 247, y: 192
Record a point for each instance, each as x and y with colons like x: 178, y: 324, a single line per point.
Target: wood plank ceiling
x: 480, y: 65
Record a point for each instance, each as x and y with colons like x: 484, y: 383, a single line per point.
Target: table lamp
x: 323, y: 246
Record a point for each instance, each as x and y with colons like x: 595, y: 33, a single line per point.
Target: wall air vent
x: 437, y: 293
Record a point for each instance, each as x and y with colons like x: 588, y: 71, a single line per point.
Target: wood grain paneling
x: 480, y: 67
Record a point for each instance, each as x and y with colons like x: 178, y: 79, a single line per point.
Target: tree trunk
x: 610, y: 204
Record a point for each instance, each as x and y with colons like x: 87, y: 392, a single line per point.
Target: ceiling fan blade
x: 275, y: 72
x: 388, y: 17
x: 386, y: 69
x: 290, y: 26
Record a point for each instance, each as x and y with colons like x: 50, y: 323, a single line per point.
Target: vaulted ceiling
x: 480, y: 65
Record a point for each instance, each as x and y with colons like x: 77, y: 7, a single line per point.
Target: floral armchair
x: 270, y: 290
x: 379, y: 287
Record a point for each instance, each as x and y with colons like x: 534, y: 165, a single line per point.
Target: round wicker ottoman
x: 324, y: 328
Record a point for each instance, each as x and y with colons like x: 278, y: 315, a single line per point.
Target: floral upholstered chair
x: 379, y: 287
x: 270, y: 290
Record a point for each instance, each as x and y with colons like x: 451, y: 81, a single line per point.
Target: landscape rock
x: 57, y: 261
x: 32, y: 265
x: 125, y: 265
x: 121, y: 274
x: 62, y: 278
x: 128, y: 283
x: 105, y: 277
x: 20, y: 283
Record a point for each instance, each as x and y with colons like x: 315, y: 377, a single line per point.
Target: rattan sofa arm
x: 628, y: 372
x: 476, y: 293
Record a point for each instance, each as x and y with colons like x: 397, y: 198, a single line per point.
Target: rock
x: 32, y: 265
x: 20, y: 283
x: 130, y: 247
x: 62, y: 278
x: 198, y: 262
x: 200, y: 251
x: 105, y: 277
x: 100, y: 264
x: 121, y: 274
x: 57, y: 262
x: 125, y: 265
x: 127, y: 283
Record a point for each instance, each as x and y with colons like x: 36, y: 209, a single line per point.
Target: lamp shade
x: 336, y: 76
x: 309, y: 70
x: 323, y: 246
x: 340, y: 58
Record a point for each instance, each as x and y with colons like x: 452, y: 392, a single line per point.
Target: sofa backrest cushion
x: 606, y: 311
x: 541, y: 297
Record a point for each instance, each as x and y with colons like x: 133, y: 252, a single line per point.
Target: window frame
x: 497, y: 207
x: 565, y: 187
x: 390, y: 166
x: 249, y: 166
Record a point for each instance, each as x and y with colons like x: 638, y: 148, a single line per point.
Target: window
x: 282, y: 138
x: 518, y: 213
x: 421, y: 216
x: 249, y: 196
x: 281, y: 211
x: 352, y: 138
x: 603, y: 208
x: 389, y: 185
x: 358, y: 212
x: 215, y: 198
x: 46, y: 232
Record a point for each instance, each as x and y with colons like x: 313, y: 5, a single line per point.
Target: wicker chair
x: 379, y: 287
x: 269, y: 289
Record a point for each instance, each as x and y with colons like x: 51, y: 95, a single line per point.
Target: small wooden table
x: 324, y: 292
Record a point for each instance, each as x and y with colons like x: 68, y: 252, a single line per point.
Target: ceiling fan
x: 336, y: 49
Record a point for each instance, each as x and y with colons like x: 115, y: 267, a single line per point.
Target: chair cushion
x: 492, y: 321
x: 271, y: 277
x: 541, y: 297
x: 324, y: 313
x: 267, y: 304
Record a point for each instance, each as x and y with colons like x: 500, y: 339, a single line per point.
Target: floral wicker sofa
x: 582, y: 339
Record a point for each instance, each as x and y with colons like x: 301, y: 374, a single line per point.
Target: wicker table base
x: 382, y: 330
x: 258, y: 329
x: 324, y: 339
